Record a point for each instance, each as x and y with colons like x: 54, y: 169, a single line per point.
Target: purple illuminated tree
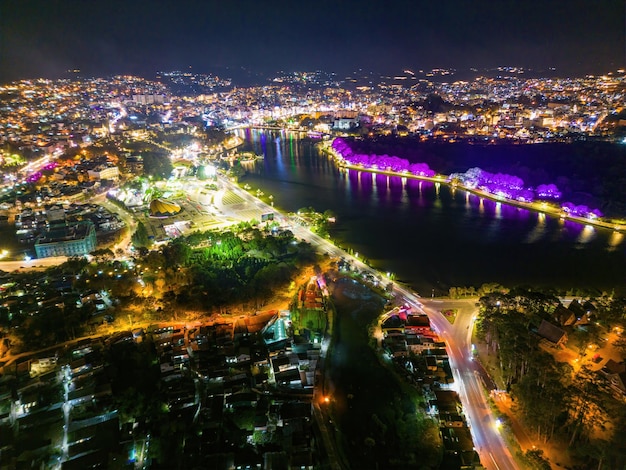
x: 498, y: 184
x: 548, y: 191
x: 384, y: 162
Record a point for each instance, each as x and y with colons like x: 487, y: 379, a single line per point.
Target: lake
x: 429, y: 235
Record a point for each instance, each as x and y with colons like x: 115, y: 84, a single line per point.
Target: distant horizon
x: 44, y: 38
x: 246, y: 77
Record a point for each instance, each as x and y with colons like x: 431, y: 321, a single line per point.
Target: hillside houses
x: 227, y: 385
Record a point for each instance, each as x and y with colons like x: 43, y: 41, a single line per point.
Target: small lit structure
x: 162, y: 208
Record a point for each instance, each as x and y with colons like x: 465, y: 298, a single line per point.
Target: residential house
x: 564, y: 316
x: 552, y: 334
x: 615, y: 373
x: 418, y: 324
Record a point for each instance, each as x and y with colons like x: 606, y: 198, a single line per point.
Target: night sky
x: 45, y: 38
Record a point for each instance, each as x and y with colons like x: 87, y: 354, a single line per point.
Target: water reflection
x: 367, y: 184
x: 279, y: 156
x: 263, y: 142
x: 395, y: 189
x: 617, y: 238
x: 381, y: 185
x: 539, y: 230
x: 353, y: 182
x: 429, y: 232
x: 587, y: 234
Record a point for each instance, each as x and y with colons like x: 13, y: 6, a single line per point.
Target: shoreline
x: 424, y: 283
x: 544, y: 207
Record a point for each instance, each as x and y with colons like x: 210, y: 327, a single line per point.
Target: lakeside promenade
x: 539, y: 207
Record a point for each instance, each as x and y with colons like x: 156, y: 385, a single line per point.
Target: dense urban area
x: 156, y: 311
x: 43, y: 116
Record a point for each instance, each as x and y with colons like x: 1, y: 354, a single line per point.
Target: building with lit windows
x: 104, y: 173
x: 67, y: 240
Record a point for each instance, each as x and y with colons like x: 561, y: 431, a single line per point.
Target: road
x: 127, y: 218
x: 21, y: 265
x: 298, y: 230
x: 536, y: 206
x: 468, y: 374
x: 471, y: 378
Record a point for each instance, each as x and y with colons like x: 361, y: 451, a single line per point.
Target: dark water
x: 431, y: 236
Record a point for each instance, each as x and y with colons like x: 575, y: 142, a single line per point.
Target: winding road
x: 473, y: 382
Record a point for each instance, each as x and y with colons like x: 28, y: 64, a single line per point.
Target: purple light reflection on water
x: 367, y: 180
x: 424, y: 193
x: 279, y: 155
x: 511, y: 211
x: 381, y: 185
x: 440, y: 238
x: 263, y: 141
x: 352, y: 180
x: 396, y: 189
x: 415, y: 190
x: 572, y: 227
x: 498, y: 184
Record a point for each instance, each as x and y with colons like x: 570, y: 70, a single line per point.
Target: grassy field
x: 450, y: 314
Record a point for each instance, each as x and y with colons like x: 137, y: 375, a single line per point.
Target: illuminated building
x: 104, y: 173
x: 67, y: 240
x: 161, y: 208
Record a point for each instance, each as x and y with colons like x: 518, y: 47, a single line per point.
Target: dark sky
x: 44, y: 38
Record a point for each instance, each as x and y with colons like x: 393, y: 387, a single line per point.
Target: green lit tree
x: 140, y: 238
